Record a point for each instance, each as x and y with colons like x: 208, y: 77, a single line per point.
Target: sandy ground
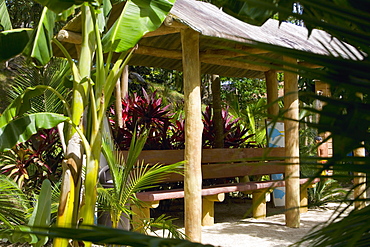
x: 232, y: 229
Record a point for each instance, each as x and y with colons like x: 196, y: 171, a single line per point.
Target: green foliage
x: 325, y: 191
x: 22, y: 128
x: 39, y: 218
x: 12, y: 42
x: 23, y: 13
x: 5, y: 23
x: 31, y: 162
x: 41, y: 49
x: 105, y: 235
x: 165, y: 223
x: 122, y: 36
x: 130, y: 176
x: 53, y: 76
x: 245, y: 90
x: 342, y: 230
x: 253, y: 117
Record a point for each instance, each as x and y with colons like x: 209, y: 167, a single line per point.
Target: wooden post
x: 208, y: 208
x: 121, y: 93
x: 142, y: 215
x: 291, y: 128
x: 124, y: 82
x: 118, y: 103
x: 272, y: 92
x: 193, y: 134
x: 259, y: 204
x: 217, y: 111
x: 359, y: 181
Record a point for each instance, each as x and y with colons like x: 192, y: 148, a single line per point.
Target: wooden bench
x: 221, y: 164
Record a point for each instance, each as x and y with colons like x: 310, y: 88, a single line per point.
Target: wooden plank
x: 218, y: 189
x: 214, y: 155
x: 239, y: 170
x: 234, y: 64
x: 228, y: 155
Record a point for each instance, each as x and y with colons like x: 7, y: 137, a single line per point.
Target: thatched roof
x: 225, y: 41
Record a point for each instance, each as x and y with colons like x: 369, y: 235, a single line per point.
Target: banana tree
x: 86, y: 110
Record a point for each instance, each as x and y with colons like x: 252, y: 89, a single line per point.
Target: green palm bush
x: 129, y: 176
x: 13, y: 203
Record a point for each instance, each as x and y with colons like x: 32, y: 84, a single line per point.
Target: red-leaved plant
x: 165, y: 132
x: 31, y: 162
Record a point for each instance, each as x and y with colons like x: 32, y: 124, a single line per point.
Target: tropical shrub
x: 235, y: 135
x: 166, y: 131
x: 30, y: 163
x: 326, y: 191
x: 143, y: 113
x: 129, y: 176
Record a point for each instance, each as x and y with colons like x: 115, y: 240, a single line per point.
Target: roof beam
x: 208, y: 56
x: 169, y: 26
x: 235, y: 64
x: 174, y: 54
x: 69, y: 37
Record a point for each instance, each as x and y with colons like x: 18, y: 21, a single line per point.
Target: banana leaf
x: 138, y: 17
x: 12, y: 42
x: 21, y: 129
x: 5, y: 23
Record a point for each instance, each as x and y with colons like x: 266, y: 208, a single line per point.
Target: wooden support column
x: 208, y: 208
x: 121, y: 93
x: 193, y: 134
x: 272, y: 92
x: 217, y: 111
x: 118, y: 103
x: 259, y: 204
x: 124, y: 82
x: 142, y: 215
x: 359, y: 181
x: 291, y: 128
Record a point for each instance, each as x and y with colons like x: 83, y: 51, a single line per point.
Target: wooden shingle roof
x: 224, y: 41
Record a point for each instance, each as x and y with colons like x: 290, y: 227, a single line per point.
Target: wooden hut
x: 199, y: 38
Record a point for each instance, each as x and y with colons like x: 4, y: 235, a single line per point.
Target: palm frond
x: 352, y: 230
x: 54, y: 74
x: 106, y: 235
x: 168, y: 229
x: 13, y: 202
x: 145, y: 177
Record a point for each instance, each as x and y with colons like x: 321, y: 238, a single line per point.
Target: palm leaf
x: 54, y: 74
x: 352, y: 230
x: 105, y: 235
x: 13, y: 203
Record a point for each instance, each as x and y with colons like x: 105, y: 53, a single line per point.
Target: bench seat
x: 214, y: 193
